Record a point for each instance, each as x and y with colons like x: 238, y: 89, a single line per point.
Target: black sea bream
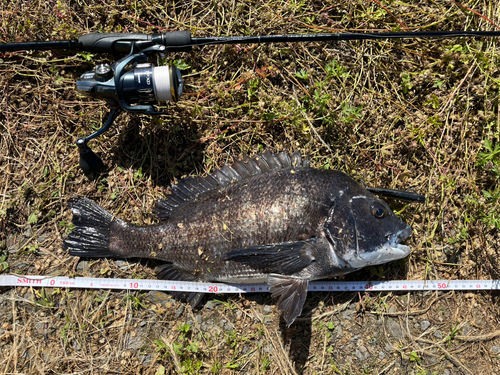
x: 271, y: 218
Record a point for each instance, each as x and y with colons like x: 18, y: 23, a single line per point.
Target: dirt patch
x: 403, y: 114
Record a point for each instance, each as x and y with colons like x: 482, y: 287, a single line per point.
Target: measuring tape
x: 188, y: 286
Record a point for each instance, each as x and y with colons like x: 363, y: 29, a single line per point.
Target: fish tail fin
x: 91, y: 235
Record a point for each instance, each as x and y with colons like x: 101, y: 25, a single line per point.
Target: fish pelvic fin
x: 291, y: 292
x: 169, y: 271
x: 91, y: 235
x: 284, y: 258
x: 190, y: 189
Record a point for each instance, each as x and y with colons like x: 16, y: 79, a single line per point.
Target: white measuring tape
x: 187, y: 286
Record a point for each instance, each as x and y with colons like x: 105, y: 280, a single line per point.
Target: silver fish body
x: 271, y: 219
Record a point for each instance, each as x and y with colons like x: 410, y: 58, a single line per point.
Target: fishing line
x: 189, y: 286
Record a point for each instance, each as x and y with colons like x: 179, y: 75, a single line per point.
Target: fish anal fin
x: 193, y: 298
x: 189, y: 189
x: 291, y: 293
x: 284, y: 258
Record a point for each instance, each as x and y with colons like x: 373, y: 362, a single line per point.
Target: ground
x: 418, y: 114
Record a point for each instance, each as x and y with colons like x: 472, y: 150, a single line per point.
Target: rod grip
x: 175, y: 41
x: 110, y: 42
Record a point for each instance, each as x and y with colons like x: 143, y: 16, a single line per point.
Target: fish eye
x: 378, y: 210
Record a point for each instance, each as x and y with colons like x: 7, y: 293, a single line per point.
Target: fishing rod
x: 135, y: 84
x: 181, y: 41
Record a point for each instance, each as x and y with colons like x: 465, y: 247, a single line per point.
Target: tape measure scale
x: 189, y: 286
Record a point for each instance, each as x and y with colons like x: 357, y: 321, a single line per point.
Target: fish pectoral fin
x: 284, y: 258
x: 291, y: 292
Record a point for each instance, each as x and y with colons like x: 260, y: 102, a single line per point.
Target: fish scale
x: 271, y: 218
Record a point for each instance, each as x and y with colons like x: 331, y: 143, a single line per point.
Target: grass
x: 406, y: 114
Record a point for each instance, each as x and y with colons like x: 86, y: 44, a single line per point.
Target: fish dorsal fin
x: 182, y: 193
x: 189, y: 189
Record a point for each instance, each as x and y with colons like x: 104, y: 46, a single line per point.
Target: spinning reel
x: 132, y: 84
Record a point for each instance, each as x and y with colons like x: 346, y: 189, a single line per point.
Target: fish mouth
x: 389, y: 251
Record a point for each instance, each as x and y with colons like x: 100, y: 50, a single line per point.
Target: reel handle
x: 89, y: 161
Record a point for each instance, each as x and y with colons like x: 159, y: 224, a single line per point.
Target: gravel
x: 179, y: 310
x: 362, y: 353
x: 438, y: 334
x: 393, y: 328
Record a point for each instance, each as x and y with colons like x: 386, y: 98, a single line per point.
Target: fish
x: 271, y: 218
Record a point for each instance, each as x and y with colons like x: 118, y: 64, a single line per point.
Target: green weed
x: 350, y: 113
x: 406, y: 84
x: 216, y: 366
x: 414, y: 357
x: 191, y: 366
x: 303, y: 74
x: 33, y: 218
x: 136, y: 302
x: 455, y: 328
x: 486, y: 207
x: 45, y: 299
x: 228, y: 305
x: 253, y: 86
x: 334, y: 69
x: 4, y: 266
x: 265, y: 362
x: 185, y: 348
x: 181, y: 64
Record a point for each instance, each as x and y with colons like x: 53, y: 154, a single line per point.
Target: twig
x: 388, y: 367
x: 457, y: 88
x: 333, y: 312
x: 13, y: 351
x: 388, y: 11
x: 285, y: 358
x: 489, y: 336
x: 447, y: 354
x: 313, y: 128
x: 417, y: 312
x: 171, y: 349
x: 477, y: 13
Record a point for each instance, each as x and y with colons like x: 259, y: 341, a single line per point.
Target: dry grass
x: 398, y: 114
